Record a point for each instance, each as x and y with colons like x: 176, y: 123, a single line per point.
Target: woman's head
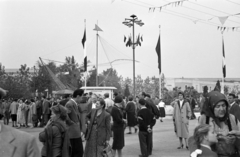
x: 181, y: 95
x: 58, y: 111
x: 216, y: 107
x: 100, y: 104
x: 204, y: 134
x: 220, y: 109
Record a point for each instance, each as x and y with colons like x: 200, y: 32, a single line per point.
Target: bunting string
x: 195, y: 20
x: 176, y: 3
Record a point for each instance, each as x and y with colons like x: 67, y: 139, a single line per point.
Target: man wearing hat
x: 16, y: 143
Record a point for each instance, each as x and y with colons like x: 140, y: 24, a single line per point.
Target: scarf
x: 210, y: 103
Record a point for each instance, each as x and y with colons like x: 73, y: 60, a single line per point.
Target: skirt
x: 118, y: 138
x: 162, y: 112
x: 92, y: 149
x: 131, y: 119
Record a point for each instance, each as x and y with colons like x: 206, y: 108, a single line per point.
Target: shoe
x: 161, y: 121
x: 136, y: 130
x: 180, y: 147
x: 187, y: 147
x: 129, y: 133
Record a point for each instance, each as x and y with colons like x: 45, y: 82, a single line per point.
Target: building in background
x: 199, y: 83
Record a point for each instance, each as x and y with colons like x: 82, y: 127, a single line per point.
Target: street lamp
x: 130, y: 23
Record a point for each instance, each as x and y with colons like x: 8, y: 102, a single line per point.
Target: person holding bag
x: 98, y: 130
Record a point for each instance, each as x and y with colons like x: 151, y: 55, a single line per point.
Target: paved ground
x: 165, y: 142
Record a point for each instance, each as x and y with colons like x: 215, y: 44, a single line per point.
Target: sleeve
x: 56, y: 131
x: 32, y: 148
x: 69, y: 107
x: 116, y: 116
x: 153, y: 121
x: 108, y: 126
x: 189, y: 112
x: 69, y: 110
x: 174, y: 111
x: 127, y: 107
x: 42, y: 136
x: 202, y: 120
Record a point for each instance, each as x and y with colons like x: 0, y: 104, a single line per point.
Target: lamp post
x: 130, y: 23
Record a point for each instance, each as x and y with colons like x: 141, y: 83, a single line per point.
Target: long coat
x: 181, y: 118
x: 103, y: 126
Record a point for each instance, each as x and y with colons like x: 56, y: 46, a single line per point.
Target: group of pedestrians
x: 24, y: 111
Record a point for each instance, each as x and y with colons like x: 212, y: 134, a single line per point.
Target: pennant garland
x: 222, y: 29
x: 176, y: 3
x: 223, y: 19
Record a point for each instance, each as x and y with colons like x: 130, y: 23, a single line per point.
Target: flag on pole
x: 158, y: 50
x: 84, y: 39
x: 223, y: 60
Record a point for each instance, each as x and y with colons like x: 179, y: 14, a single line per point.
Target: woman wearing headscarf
x: 98, y: 134
x: 225, y: 125
x: 55, y: 137
x: 181, y: 116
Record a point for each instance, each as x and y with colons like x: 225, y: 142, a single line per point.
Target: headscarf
x: 210, y: 103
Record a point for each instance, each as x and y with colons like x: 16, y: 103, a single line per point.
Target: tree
x: 126, y: 91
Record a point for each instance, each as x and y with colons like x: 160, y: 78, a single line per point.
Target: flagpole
x: 85, y: 56
x: 223, y: 66
x: 160, y: 82
x: 97, y: 58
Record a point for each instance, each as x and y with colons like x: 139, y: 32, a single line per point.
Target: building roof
x: 16, y: 70
x: 213, y: 79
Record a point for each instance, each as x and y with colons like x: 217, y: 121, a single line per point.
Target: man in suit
x: 16, y: 143
x: 46, y: 110
x: 234, y: 108
x: 74, y: 123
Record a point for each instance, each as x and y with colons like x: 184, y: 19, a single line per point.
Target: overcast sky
x: 53, y: 29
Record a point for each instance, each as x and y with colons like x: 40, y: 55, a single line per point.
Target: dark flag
x: 223, y: 60
x: 158, y: 50
x: 84, y: 49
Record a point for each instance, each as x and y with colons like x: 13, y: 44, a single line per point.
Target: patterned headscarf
x: 210, y: 103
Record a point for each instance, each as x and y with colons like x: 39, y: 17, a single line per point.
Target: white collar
x: 74, y: 101
x: 143, y: 107
x: 204, y: 145
x: 232, y: 104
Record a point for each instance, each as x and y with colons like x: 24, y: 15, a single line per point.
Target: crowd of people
x: 95, y: 119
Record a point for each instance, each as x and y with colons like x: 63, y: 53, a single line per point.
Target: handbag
x: 107, y: 151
